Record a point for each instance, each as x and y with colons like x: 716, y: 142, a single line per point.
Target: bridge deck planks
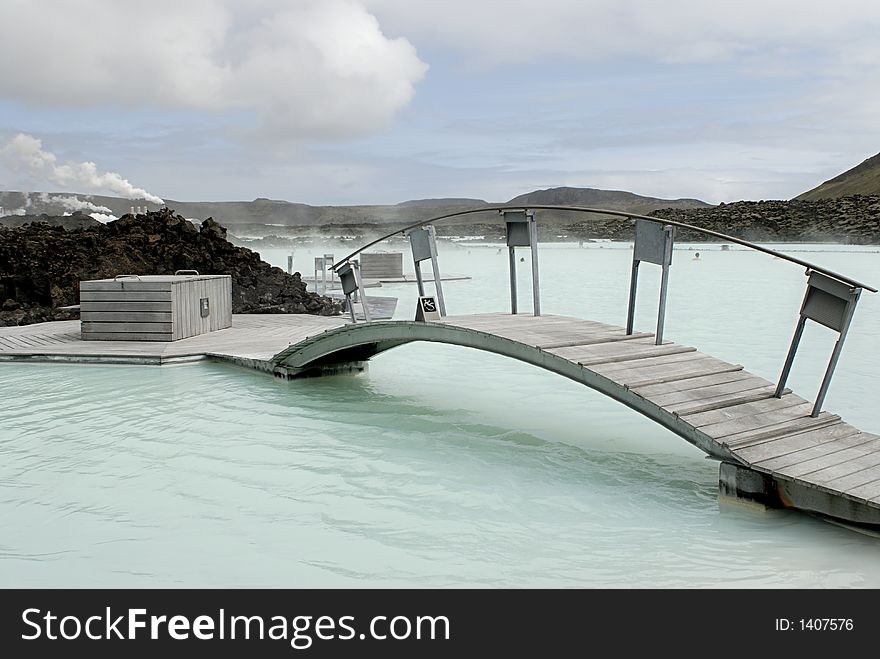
x: 776, y: 447
x: 640, y: 348
x: 861, y: 470
x: 820, y: 456
x: 721, y: 401
x: 868, y: 492
x: 699, y: 393
x: 724, y: 402
x: 740, y: 410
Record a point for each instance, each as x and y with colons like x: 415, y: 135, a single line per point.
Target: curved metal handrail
x: 623, y: 215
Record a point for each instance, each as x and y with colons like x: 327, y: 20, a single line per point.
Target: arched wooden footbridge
x: 776, y: 448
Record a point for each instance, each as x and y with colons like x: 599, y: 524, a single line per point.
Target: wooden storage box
x: 154, y: 307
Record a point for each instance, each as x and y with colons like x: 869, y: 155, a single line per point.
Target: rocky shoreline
x: 41, y: 265
x: 851, y: 220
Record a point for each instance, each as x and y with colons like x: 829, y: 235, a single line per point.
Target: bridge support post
x: 653, y: 243
x: 831, y: 303
x: 741, y: 483
x: 423, y: 243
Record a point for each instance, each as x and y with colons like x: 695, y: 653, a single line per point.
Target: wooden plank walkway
x: 720, y: 407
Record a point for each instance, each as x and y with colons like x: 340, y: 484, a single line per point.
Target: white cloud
x: 24, y: 154
x: 500, y: 31
x: 305, y: 68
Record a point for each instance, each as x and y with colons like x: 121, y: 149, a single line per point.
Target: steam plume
x: 73, y: 203
x: 25, y: 153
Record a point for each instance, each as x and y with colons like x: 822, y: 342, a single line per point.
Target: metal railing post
x: 631, y: 310
x: 353, y: 287
x: 835, y: 355
x: 829, y: 302
x: 435, y: 266
x: 512, y: 259
x: 423, y: 243
x: 789, y: 358
x: 536, y: 287
x: 420, y: 283
x: 652, y: 243
x: 664, y: 284
x: 363, y: 293
x: 521, y: 231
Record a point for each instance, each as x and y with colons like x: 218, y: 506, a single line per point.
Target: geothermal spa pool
x: 440, y: 466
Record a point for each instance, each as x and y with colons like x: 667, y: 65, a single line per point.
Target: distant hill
x: 262, y: 212
x: 452, y: 201
x: 862, y: 179
x: 616, y: 200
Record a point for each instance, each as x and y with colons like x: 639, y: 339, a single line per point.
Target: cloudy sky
x: 378, y: 101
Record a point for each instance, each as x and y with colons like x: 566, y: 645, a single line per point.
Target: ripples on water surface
x: 440, y: 467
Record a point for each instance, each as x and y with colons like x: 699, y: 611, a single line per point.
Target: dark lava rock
x: 41, y: 265
x: 854, y: 220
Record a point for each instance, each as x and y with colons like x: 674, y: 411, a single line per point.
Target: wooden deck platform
x: 818, y: 464
x: 252, y: 341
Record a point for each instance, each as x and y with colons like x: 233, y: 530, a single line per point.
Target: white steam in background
x: 73, y: 203
x: 104, y: 217
x: 24, y: 153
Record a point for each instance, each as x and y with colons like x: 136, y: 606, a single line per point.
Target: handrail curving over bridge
x: 624, y: 215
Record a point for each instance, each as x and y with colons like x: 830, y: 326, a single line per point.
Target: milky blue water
x: 441, y: 466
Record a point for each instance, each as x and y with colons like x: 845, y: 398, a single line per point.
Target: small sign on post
x: 427, y: 309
